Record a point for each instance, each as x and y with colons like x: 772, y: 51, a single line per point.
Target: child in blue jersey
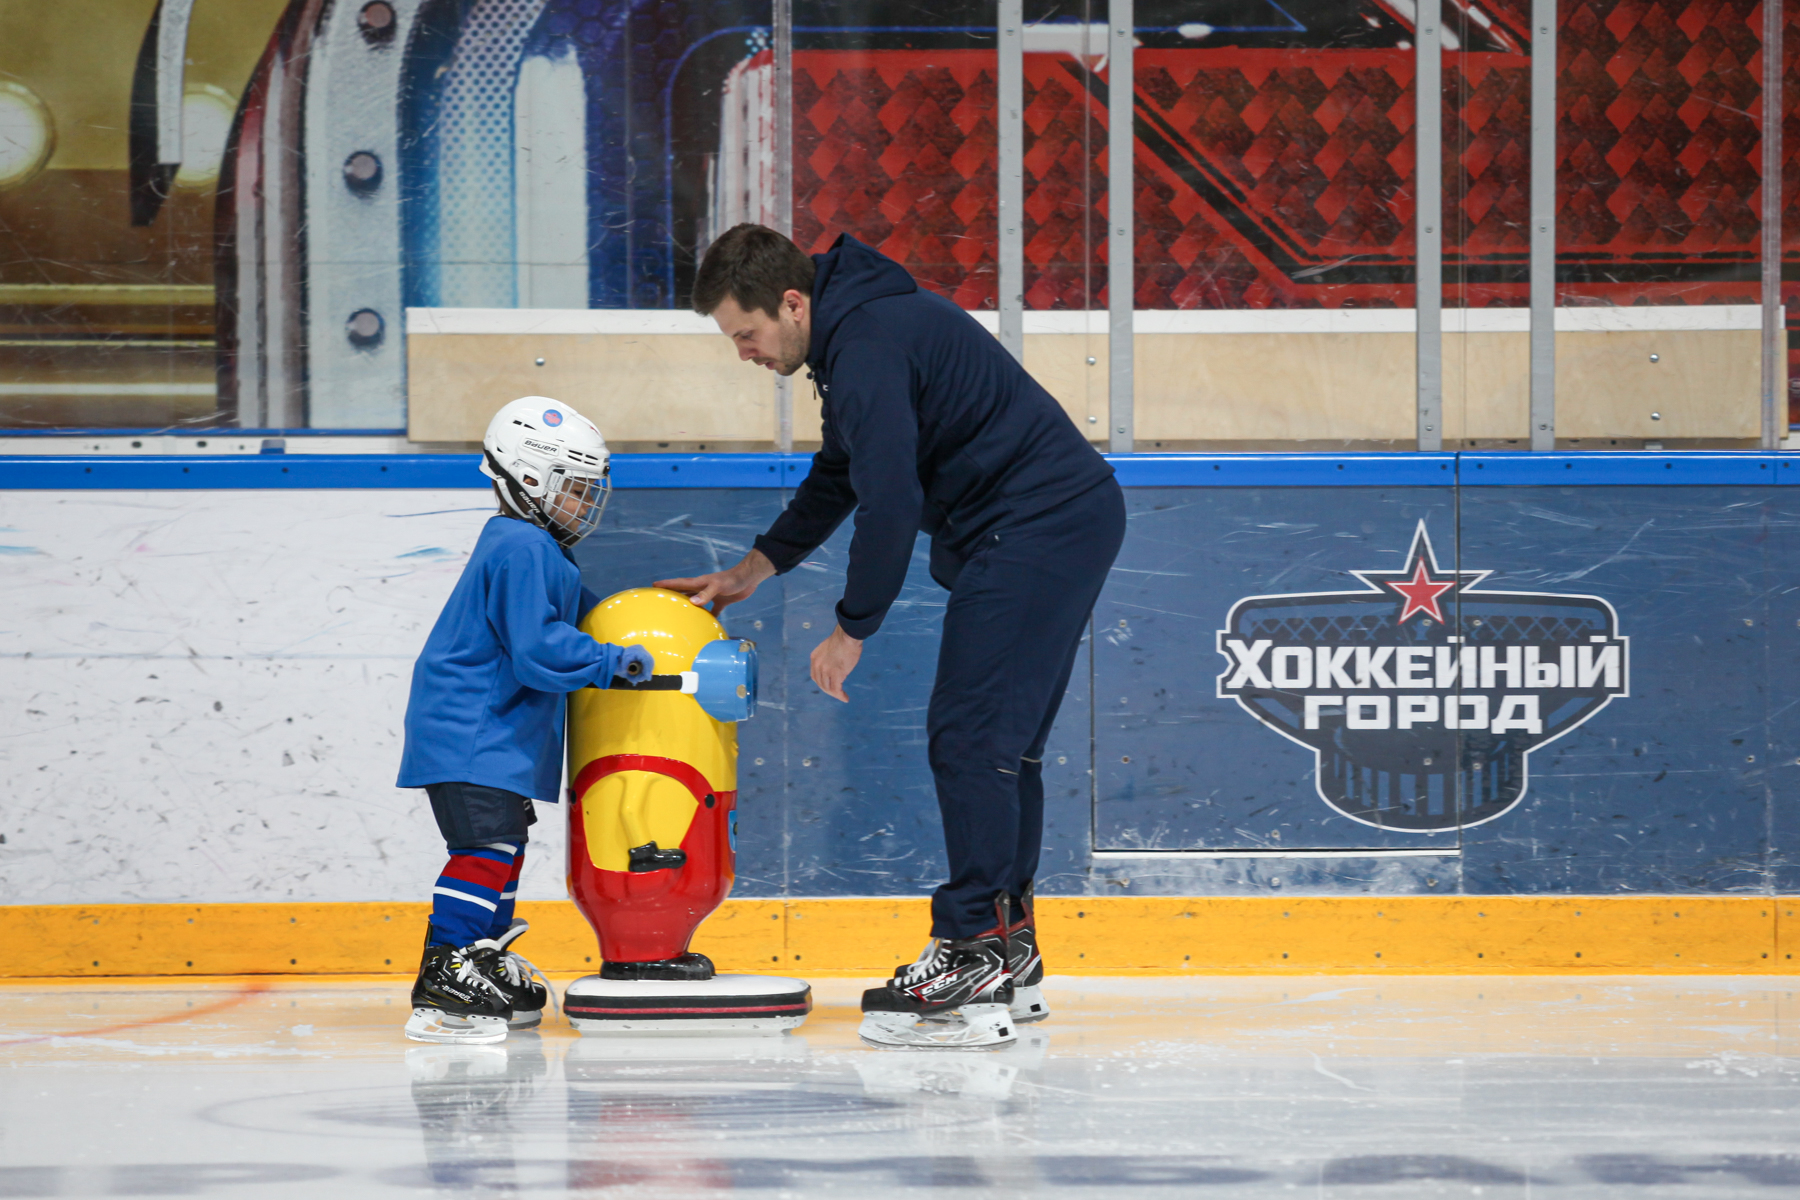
x: 484, y: 722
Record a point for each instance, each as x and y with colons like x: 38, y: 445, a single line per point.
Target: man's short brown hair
x: 754, y: 266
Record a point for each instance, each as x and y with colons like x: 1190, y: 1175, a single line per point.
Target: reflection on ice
x: 1589, y: 1089
x: 975, y: 1073
x: 467, y: 1096
x: 662, y: 1047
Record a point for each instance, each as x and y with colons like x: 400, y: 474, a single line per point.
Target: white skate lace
x: 926, y: 965
x: 517, y: 968
x: 468, y: 973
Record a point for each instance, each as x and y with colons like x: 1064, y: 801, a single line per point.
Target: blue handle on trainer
x: 726, y: 684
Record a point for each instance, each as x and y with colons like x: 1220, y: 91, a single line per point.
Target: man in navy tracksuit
x: 929, y: 424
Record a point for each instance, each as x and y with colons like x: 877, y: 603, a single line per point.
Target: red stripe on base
x: 718, y: 1012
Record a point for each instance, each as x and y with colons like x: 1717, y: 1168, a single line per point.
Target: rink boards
x: 211, y: 659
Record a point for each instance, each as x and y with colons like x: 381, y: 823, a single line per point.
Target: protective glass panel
x: 1486, y: 121
x: 1658, y: 222
x: 106, y: 237
x: 894, y: 143
x: 894, y: 137
x: 1275, y: 228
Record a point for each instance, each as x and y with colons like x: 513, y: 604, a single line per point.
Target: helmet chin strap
x: 526, y: 508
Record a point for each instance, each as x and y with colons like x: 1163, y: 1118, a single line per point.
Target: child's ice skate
x: 455, y: 999
x: 955, y: 997
x: 524, y: 985
x: 1024, y: 961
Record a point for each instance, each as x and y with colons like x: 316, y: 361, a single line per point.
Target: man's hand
x: 724, y: 587
x: 832, y: 661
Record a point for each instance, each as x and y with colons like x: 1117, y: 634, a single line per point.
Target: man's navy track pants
x: 1019, y: 605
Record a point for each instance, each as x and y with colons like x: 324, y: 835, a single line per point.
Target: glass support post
x: 1429, y: 226
x: 1010, y: 219
x: 1774, y: 364
x: 1121, y: 191
x: 1543, y: 224
x: 784, y: 190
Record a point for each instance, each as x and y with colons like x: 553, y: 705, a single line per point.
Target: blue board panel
x: 1781, y: 669
x: 1677, y: 779
x: 1178, y: 767
x: 1665, y: 789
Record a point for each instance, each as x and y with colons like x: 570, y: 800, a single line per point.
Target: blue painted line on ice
x: 631, y: 471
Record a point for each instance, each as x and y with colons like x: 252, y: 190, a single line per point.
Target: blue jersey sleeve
x: 588, y: 600
x: 547, y: 652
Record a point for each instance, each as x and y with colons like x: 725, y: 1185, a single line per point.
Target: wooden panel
x: 635, y: 387
x: 1274, y: 386
x: 1191, y: 387
x: 1705, y: 384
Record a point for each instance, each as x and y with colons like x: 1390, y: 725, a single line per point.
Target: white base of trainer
x: 969, y: 1027
x: 1028, y: 1005
x: 433, y: 1025
x: 723, y: 1004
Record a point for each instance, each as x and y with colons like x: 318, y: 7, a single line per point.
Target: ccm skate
x: 1024, y: 962
x: 955, y: 997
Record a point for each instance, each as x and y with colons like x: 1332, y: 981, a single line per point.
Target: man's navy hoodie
x: 928, y: 425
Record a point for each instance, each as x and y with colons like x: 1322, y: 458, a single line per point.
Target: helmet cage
x: 552, y: 495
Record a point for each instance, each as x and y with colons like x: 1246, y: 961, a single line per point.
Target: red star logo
x: 1421, y: 594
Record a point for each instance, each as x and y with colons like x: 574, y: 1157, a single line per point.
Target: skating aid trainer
x: 653, y: 827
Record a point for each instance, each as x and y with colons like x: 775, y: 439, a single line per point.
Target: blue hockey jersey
x: 487, y: 691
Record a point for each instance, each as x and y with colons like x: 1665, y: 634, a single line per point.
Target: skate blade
x: 982, y: 1027
x: 531, y: 1020
x: 432, y: 1025
x: 1028, y: 1005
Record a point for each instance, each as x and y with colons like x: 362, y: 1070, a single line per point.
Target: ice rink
x: 1332, y: 1086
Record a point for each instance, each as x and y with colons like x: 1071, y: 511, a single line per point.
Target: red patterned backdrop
x: 1283, y: 178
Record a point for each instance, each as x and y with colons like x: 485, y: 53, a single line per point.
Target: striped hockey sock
x: 503, y: 913
x: 467, y: 895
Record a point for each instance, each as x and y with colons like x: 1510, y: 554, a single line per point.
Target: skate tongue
x: 512, y: 934
x: 922, y: 965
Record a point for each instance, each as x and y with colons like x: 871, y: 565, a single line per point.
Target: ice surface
x: 1232, y: 1087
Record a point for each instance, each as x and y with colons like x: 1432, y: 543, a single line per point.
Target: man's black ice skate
x: 455, y: 999
x: 648, y: 858
x: 956, y: 997
x: 523, y: 984
x: 1024, y: 961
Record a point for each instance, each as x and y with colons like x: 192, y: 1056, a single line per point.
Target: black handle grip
x: 655, y: 683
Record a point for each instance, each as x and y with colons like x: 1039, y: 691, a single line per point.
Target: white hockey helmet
x: 550, y: 464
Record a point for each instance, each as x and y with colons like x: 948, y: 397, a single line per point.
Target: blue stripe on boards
x: 773, y: 471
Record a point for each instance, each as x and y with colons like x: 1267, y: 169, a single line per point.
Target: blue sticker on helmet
x: 552, y: 418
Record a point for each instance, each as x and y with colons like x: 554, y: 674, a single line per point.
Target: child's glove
x: 634, y: 665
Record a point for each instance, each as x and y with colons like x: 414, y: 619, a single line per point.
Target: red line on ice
x: 231, y: 1001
